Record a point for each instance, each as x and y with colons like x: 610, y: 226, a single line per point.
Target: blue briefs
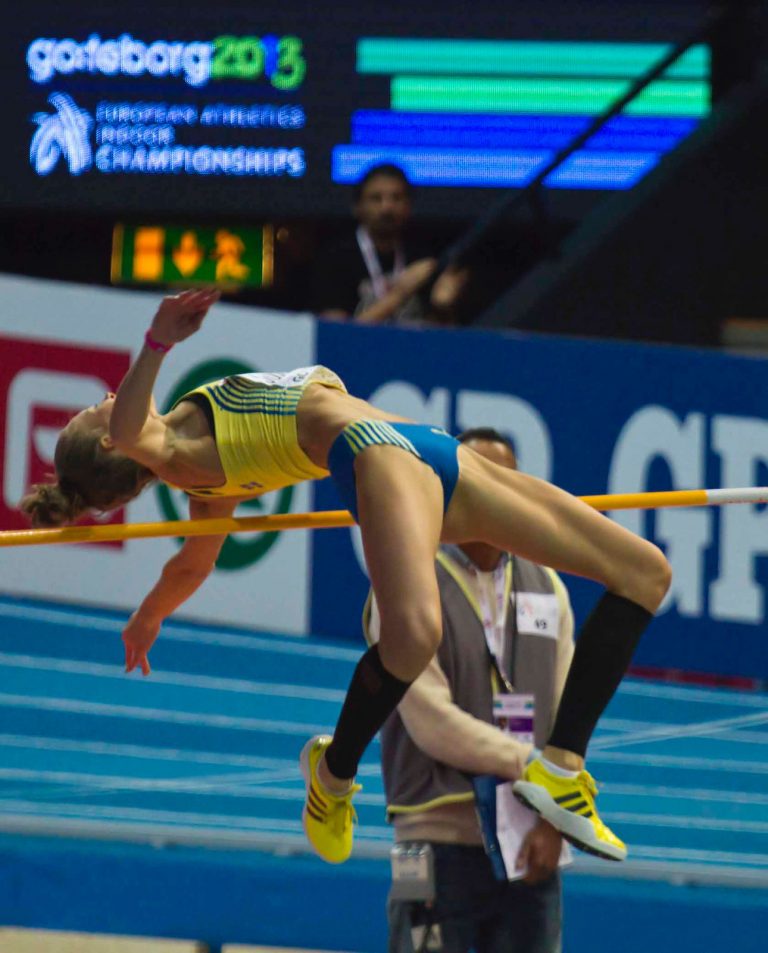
x: 433, y: 446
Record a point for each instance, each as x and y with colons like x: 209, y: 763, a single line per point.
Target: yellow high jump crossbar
x: 331, y: 519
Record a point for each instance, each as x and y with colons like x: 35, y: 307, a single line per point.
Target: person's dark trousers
x: 475, y: 912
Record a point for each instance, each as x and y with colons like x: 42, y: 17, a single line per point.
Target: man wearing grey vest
x: 443, y: 734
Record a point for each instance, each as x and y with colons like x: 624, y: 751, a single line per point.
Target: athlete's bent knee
x: 659, y: 576
x: 409, y: 639
x: 646, y: 578
x: 644, y: 575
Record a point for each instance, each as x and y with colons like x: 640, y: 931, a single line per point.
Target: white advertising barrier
x: 63, y: 346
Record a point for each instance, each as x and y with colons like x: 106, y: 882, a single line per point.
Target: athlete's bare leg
x: 521, y: 514
x: 400, y: 504
x: 538, y: 521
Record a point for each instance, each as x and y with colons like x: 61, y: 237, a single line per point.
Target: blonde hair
x: 90, y: 477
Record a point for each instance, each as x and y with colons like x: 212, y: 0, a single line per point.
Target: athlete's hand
x: 139, y: 636
x: 179, y: 316
x: 540, y: 852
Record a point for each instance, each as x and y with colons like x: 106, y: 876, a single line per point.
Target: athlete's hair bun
x: 51, y: 504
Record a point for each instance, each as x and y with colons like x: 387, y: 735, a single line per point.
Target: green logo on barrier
x: 235, y: 553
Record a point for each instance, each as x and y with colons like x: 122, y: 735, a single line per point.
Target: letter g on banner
x: 737, y: 595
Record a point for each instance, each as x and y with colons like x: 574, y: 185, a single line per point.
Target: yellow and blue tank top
x: 254, y: 423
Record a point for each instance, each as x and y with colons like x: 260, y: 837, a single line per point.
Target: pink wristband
x: 154, y: 345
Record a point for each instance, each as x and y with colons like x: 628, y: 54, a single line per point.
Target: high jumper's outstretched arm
x: 181, y: 577
x: 178, y: 317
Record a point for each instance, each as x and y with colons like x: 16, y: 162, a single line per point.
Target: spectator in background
x: 443, y: 731
x: 372, y: 277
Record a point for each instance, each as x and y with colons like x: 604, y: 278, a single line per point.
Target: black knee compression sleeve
x: 372, y: 696
x: 604, y: 650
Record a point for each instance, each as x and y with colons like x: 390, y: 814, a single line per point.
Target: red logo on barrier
x: 42, y: 385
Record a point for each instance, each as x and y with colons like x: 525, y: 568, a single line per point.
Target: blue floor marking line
x: 708, y: 696
x: 628, y: 726
x: 695, y: 794
x: 171, y: 817
x: 160, y: 714
x: 209, y: 682
x: 111, y: 749
x: 177, y: 631
x: 676, y: 732
x: 730, y: 857
x: 176, y: 755
x: 217, y: 787
x: 696, y: 822
x: 679, y: 761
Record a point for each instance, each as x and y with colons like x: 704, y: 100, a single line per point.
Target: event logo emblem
x: 244, y: 549
x: 65, y: 133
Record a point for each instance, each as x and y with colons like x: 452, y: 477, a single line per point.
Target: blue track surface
x: 204, y: 751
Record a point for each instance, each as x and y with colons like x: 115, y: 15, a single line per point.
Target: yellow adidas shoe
x: 328, y: 820
x: 569, y: 805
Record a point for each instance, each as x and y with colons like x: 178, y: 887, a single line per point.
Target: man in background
x: 507, y: 632
x: 371, y: 277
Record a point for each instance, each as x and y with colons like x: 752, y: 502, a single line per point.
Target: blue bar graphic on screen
x: 484, y: 113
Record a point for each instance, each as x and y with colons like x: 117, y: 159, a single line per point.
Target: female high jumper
x: 410, y: 487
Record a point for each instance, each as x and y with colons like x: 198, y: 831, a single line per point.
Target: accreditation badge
x: 538, y: 613
x: 514, y: 713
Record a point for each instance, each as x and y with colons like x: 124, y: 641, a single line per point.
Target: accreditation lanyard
x: 513, y: 712
x: 373, y: 265
x: 494, y: 626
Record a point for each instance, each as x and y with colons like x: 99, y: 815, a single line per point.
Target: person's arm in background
x: 442, y: 300
x: 407, y: 283
x: 446, y: 295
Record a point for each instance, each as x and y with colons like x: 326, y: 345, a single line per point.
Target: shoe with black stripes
x: 328, y: 819
x: 569, y: 806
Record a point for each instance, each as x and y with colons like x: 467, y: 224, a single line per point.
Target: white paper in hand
x: 513, y: 821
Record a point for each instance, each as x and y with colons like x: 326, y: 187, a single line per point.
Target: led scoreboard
x: 271, y: 110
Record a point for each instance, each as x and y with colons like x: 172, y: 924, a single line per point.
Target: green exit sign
x: 169, y: 254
